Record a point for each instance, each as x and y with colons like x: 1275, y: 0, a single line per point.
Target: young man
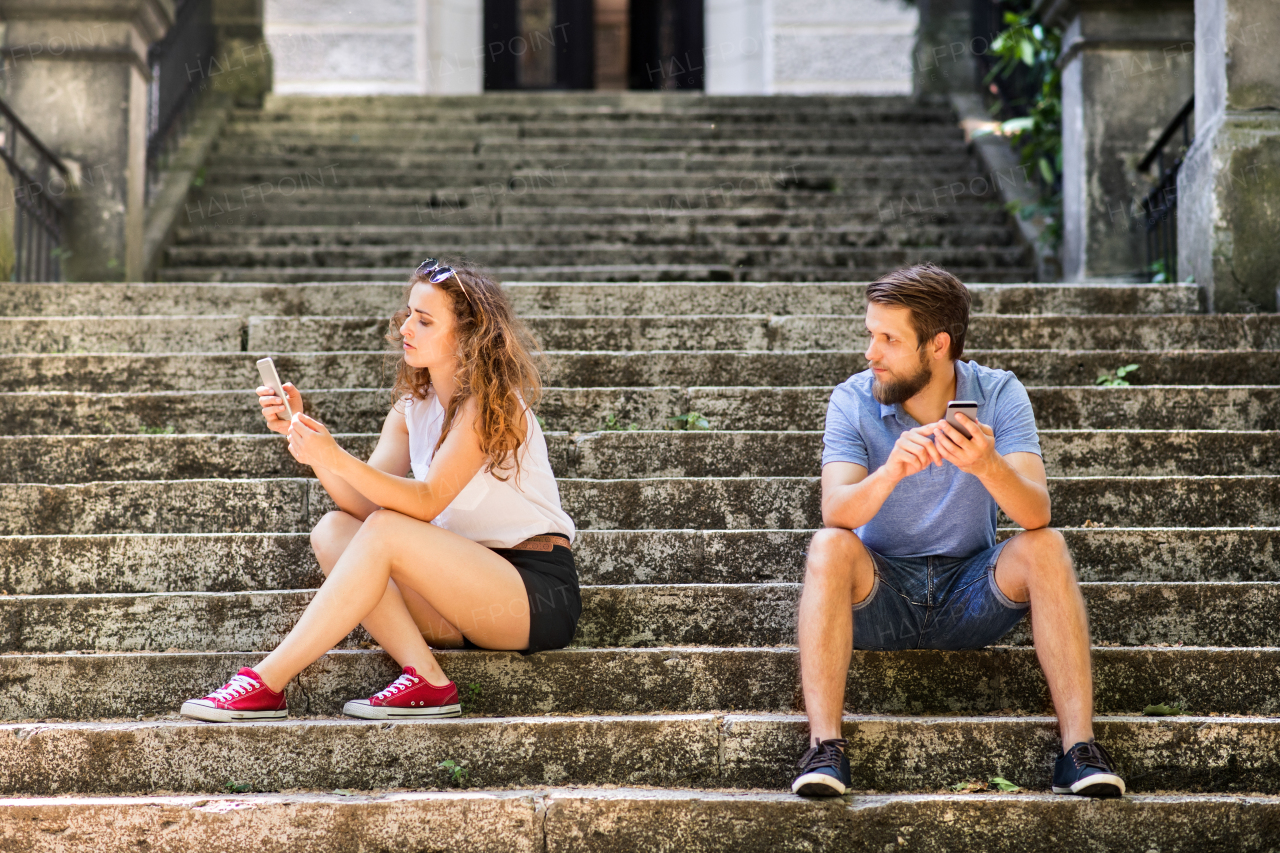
x: 908, y: 558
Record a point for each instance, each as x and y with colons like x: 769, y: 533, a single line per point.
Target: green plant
x: 146, y: 430
x: 471, y: 697
x: 458, y: 774
x: 1116, y: 378
x: 1030, y: 48
x: 541, y: 422
x: 1162, y: 710
x: 1159, y: 275
x: 237, y: 788
x: 198, y: 180
x: 1002, y: 784
x: 611, y: 424
x: 691, y: 421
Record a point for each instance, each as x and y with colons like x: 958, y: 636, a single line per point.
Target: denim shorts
x: 935, y: 603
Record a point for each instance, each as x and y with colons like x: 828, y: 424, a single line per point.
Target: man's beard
x: 897, y: 391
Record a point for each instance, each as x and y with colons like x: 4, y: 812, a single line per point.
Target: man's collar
x: 967, y: 388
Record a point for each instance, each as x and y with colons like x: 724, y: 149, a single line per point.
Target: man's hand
x: 975, y: 455
x: 912, y: 453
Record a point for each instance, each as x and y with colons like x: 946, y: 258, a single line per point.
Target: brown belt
x: 541, y: 543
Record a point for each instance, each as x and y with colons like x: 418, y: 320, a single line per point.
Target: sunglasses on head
x: 435, y: 274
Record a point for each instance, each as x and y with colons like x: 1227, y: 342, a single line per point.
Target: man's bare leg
x: 1036, y: 566
x: 838, y: 573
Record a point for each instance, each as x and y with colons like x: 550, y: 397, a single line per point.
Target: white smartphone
x: 271, y: 379
x: 970, y: 410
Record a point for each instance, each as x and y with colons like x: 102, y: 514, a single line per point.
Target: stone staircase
x: 610, y: 187
x: 154, y: 539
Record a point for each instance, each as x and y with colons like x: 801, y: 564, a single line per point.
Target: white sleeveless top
x: 489, y: 511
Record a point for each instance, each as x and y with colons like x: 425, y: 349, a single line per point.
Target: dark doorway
x: 539, y: 44
x: 667, y: 44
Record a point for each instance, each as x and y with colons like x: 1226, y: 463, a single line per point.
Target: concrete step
x: 237, y: 562
x: 1162, y: 407
x: 1187, y: 754
x: 998, y: 679
x: 480, y: 158
x: 394, y: 132
x: 186, y: 372
x: 623, y: 616
x: 356, y: 148
x: 551, y: 820
x: 597, y: 254
x: 552, y: 299
x: 455, y: 208
x: 255, y: 180
x: 295, y: 505
x: 1079, y: 453
x: 895, y: 233
x: 222, y: 333
x: 890, y: 200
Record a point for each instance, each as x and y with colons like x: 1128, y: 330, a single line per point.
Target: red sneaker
x: 244, y: 697
x: 410, y: 695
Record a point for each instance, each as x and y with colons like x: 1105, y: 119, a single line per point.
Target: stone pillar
x: 77, y: 75
x: 1228, y: 219
x: 1127, y: 68
x: 942, y: 62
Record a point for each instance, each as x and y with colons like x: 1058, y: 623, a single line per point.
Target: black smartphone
x: 970, y: 410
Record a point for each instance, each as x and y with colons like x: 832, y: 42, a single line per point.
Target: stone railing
x: 1160, y: 207
x: 180, y: 63
x: 30, y: 226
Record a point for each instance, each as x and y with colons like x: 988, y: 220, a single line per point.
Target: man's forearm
x: 1025, y: 501
x: 854, y: 505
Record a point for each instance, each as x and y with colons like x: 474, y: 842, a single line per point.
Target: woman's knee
x: 330, y: 536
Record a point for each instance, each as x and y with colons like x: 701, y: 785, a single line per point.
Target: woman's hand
x: 310, y: 442
x: 273, y: 407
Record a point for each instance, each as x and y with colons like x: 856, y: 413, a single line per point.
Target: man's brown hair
x: 937, y: 299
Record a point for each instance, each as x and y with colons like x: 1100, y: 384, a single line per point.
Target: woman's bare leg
x: 385, y: 623
x: 469, y: 586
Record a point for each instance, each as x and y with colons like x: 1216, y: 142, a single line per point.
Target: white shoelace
x: 235, y: 688
x: 404, y: 682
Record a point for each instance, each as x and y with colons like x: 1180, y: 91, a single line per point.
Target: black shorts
x: 555, y: 603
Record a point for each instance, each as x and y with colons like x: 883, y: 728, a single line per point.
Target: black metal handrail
x: 180, y: 64
x: 39, y: 177
x: 1160, y: 207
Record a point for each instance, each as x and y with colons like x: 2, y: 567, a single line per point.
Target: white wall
x: 810, y: 46
x: 436, y: 46
x: 358, y: 47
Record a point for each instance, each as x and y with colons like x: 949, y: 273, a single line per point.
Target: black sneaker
x: 1086, y: 769
x: 824, y: 770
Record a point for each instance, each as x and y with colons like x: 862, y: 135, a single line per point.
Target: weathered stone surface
x: 380, y: 299
x: 626, y: 819
x: 231, y: 562
x: 1127, y: 614
x: 1175, y: 753
x: 999, y: 679
x: 669, y: 453
x: 496, y: 821
x: 206, y: 372
x: 191, y: 756
x: 895, y: 754
x: 286, y: 505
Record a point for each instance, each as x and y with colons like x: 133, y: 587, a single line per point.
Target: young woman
x: 472, y: 551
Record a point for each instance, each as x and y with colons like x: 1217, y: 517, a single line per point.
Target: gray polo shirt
x: 938, y: 511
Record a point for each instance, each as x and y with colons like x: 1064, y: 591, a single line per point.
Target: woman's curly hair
x: 495, y: 364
